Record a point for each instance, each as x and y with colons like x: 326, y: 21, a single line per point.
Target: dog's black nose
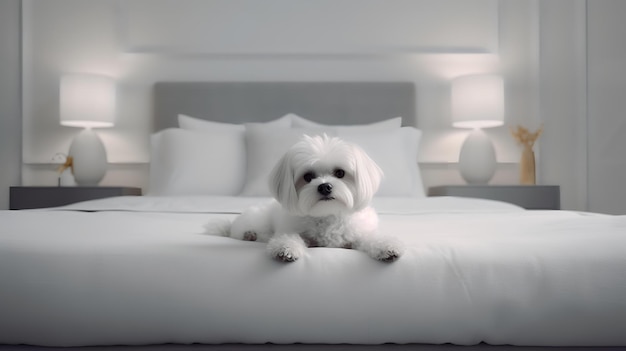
x: 325, y: 189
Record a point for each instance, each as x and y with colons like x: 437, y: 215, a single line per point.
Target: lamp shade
x: 87, y: 100
x: 478, y: 101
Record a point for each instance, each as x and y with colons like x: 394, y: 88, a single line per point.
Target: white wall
x: 538, y: 46
x: 10, y: 119
x: 563, y: 99
x: 606, y: 75
x: 441, y: 40
x: 582, y: 83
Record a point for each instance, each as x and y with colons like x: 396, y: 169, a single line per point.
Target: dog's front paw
x: 286, y: 247
x: 389, y: 255
x: 387, y: 250
x: 285, y: 255
x: 249, y: 236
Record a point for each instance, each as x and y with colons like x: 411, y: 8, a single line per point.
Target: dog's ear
x: 281, y: 183
x: 367, y: 178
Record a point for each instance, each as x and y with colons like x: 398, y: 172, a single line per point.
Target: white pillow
x: 393, y: 123
x: 185, y: 162
x: 192, y: 123
x: 264, y: 147
x: 395, y: 152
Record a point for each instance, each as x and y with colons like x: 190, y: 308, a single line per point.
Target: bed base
x: 311, y: 347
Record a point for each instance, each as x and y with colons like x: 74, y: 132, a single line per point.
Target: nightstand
x: 25, y: 197
x: 535, y: 197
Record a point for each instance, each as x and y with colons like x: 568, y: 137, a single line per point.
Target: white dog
x: 323, y: 187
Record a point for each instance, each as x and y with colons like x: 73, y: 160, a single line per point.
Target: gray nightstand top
x: 546, y: 197
x: 25, y: 197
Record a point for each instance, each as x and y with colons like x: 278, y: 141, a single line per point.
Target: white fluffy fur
x: 302, y: 216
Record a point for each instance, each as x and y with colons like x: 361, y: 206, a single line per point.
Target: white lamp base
x: 477, y: 160
x: 89, y: 158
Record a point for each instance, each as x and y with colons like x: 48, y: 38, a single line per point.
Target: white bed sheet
x: 139, y: 270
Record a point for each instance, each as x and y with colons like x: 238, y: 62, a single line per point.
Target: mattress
x: 143, y: 271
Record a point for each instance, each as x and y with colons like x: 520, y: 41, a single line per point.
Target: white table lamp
x: 88, y: 101
x: 477, y: 102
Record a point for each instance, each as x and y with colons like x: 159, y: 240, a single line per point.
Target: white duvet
x: 139, y: 270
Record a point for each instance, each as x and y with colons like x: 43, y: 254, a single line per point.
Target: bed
x: 137, y: 271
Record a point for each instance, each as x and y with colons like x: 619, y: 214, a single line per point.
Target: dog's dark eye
x: 339, y: 173
x: 308, y: 177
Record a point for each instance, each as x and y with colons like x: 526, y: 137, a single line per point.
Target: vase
x: 89, y: 158
x: 527, y: 167
x: 477, y: 159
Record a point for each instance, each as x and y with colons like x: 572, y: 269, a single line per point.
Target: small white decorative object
x: 87, y: 100
x: 477, y: 102
x: 477, y: 160
x: 89, y: 157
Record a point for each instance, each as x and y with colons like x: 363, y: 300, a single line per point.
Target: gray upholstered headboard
x: 323, y: 102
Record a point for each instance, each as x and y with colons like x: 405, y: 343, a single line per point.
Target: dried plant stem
x: 69, y: 163
x: 524, y: 137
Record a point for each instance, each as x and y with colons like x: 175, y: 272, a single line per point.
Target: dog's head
x: 321, y: 176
